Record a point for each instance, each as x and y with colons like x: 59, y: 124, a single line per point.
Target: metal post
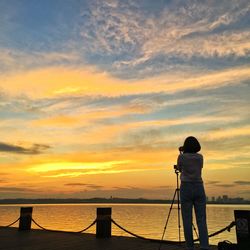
x: 25, y: 218
x: 103, y: 222
x: 242, y: 219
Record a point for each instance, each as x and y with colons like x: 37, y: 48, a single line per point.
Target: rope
x: 125, y: 230
x: 228, y: 228
x: 144, y: 238
x: 11, y: 223
x: 52, y: 230
x: 85, y: 229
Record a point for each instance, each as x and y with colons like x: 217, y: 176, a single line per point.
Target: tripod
x: 176, y: 193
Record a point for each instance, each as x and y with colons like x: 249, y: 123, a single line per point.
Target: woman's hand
x: 181, y: 149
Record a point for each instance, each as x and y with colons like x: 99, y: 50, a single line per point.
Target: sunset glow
x: 97, y: 96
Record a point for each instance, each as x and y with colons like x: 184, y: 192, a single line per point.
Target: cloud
x: 16, y: 189
x: 106, y: 114
x: 212, y: 182
x: 225, y: 185
x: 129, y: 38
x: 18, y: 60
x: 164, y: 187
x: 62, y: 169
x: 228, y: 133
x: 33, y: 150
x: 55, y: 166
x: 76, y: 184
x: 70, y: 173
x: 127, y: 83
x: 76, y: 169
x: 245, y: 192
x: 149, y: 132
x: 56, y: 81
x: 242, y: 183
x: 131, y: 35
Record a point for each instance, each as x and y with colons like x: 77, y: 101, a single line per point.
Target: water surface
x: 143, y: 219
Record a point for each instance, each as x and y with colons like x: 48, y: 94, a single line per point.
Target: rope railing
x: 11, y: 224
x: 51, y: 230
x: 227, y: 228
x: 144, y: 238
x: 62, y: 231
x: 125, y: 230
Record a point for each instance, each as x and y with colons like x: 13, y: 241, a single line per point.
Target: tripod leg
x: 170, y: 209
x: 195, y: 231
x: 179, y: 222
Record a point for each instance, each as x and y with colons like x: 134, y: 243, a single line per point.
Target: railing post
x: 242, y: 219
x: 25, y: 218
x: 103, y: 222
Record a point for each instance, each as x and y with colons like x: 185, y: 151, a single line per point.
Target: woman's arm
x: 179, y: 162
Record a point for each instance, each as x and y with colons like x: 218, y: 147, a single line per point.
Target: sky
x: 97, y: 96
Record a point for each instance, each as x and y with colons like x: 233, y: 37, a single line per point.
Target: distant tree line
x: 219, y: 200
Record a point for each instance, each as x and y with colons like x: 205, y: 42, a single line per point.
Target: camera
x: 181, y: 149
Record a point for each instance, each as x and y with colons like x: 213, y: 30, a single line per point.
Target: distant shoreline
x: 103, y: 201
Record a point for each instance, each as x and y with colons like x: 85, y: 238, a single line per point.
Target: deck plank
x: 12, y: 239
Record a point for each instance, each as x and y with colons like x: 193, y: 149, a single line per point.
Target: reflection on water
x: 144, y: 219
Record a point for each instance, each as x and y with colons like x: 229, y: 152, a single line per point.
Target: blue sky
x: 129, y: 37
x: 120, y: 84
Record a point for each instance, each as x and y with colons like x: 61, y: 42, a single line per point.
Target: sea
x: 147, y: 220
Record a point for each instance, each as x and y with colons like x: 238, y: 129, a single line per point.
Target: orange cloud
x: 51, y: 82
x: 55, y: 166
x: 59, y: 120
x: 228, y: 133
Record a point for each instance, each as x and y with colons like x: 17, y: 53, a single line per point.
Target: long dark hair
x: 191, y: 145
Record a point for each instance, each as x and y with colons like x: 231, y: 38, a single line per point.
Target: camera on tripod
x: 176, y: 169
x: 181, y: 149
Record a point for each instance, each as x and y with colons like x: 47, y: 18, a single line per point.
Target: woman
x: 192, y: 192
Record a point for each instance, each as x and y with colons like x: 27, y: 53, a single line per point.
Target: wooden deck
x: 12, y: 239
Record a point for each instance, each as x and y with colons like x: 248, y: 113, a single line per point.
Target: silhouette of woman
x: 192, y: 192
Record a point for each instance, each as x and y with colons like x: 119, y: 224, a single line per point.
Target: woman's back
x: 190, y: 165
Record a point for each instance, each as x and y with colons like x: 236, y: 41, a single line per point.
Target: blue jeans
x: 192, y: 194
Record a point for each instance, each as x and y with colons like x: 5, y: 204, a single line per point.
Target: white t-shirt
x: 190, y: 166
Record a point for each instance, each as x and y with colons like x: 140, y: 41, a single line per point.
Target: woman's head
x: 191, y: 145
